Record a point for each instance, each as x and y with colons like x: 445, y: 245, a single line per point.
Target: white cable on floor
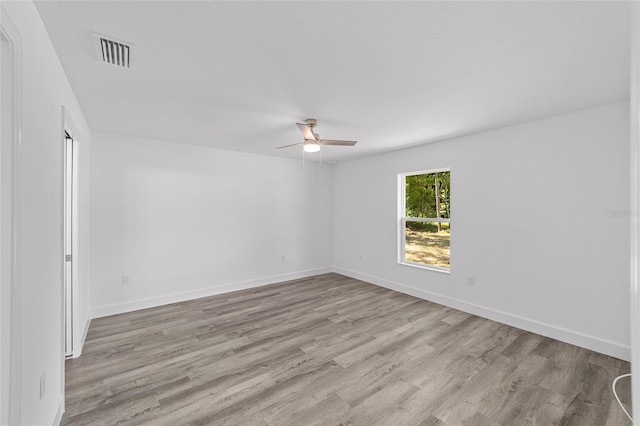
x: 613, y: 386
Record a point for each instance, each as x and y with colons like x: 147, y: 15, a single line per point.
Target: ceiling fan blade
x: 306, y: 131
x: 336, y: 142
x: 287, y: 146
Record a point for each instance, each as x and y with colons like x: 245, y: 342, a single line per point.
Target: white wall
x: 82, y: 264
x: 187, y: 221
x: 45, y: 90
x: 635, y: 208
x: 528, y: 221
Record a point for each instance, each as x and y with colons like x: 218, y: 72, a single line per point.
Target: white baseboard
x: 573, y: 337
x: 59, y: 413
x: 134, y: 305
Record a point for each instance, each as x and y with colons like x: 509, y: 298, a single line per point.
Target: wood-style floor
x: 331, y: 350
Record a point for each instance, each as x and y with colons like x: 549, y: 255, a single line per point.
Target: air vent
x: 112, y: 51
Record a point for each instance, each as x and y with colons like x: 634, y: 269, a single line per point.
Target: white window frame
x: 402, y: 221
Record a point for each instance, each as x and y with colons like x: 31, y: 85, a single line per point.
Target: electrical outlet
x: 43, y: 385
x: 125, y: 280
x: 283, y: 258
x: 471, y: 280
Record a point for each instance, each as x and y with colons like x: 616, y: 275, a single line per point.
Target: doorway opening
x: 70, y: 218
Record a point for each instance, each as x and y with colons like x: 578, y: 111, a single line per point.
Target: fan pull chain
x: 321, y: 158
x: 303, y: 166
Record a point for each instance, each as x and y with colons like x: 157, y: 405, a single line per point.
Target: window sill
x: 427, y: 267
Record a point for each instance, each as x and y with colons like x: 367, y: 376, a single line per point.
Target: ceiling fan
x: 312, y: 141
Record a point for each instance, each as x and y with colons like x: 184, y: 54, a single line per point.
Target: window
x: 425, y: 219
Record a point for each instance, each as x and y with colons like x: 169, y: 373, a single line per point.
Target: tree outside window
x: 426, y: 219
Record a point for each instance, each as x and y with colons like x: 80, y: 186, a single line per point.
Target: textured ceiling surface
x: 238, y: 75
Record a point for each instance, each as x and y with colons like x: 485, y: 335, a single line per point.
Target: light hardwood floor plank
x: 331, y: 350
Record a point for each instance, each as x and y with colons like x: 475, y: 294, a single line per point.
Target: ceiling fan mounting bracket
x: 311, y: 122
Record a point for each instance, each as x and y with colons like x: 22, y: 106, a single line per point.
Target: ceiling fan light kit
x: 311, y: 146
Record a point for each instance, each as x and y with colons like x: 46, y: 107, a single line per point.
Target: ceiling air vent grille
x: 114, y: 52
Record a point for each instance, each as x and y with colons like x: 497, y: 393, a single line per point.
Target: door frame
x: 69, y: 126
x: 70, y: 230
x: 10, y: 289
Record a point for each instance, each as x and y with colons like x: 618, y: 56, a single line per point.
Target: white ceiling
x: 238, y: 75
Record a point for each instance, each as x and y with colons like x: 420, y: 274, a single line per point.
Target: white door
x: 68, y: 245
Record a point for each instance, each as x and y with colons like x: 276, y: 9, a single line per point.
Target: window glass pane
x: 428, y: 195
x: 428, y: 243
